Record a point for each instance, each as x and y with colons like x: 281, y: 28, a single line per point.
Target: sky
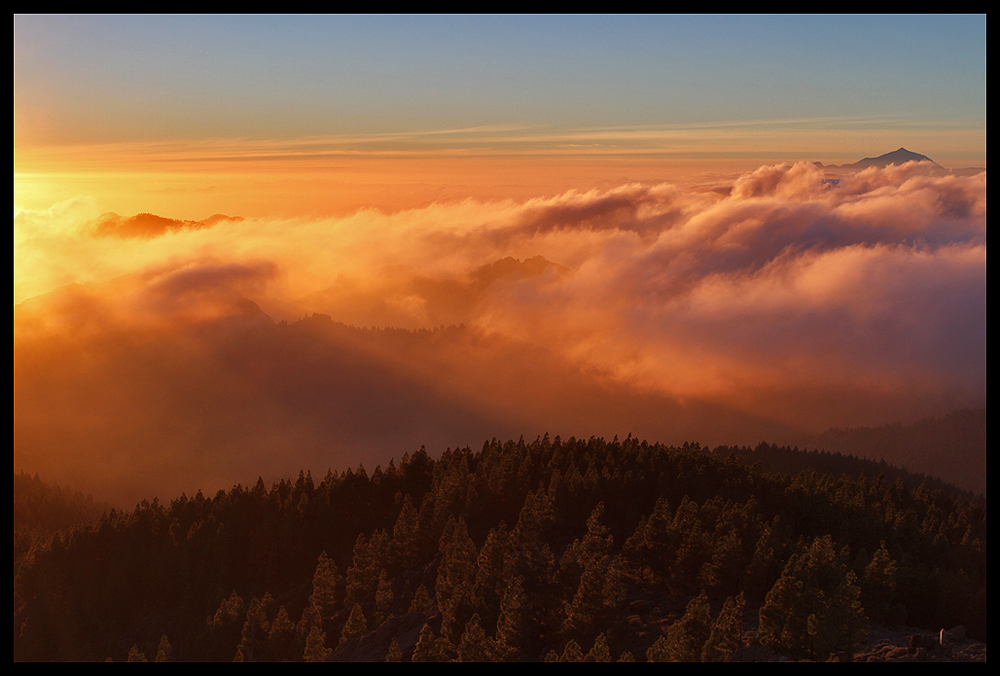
x: 239, y: 241
x: 347, y: 111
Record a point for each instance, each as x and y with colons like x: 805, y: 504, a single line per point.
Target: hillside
x: 952, y: 447
x: 553, y: 549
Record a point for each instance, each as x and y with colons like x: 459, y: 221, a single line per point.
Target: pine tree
x: 814, y: 607
x: 596, y: 594
x: 721, y: 574
x: 405, y: 548
x: 846, y: 620
x: 324, y: 595
x: 163, y: 650
x: 394, y: 654
x: 765, y: 565
x: 572, y: 652
x: 225, y: 628
x: 433, y: 648
x: 356, y: 625
x: 727, y: 631
x: 421, y: 599
x: 688, y: 635
x: 647, y: 553
x: 878, y: 585
x: 281, y: 638
x: 230, y: 611
x: 316, y: 650
x: 367, y: 567
x: 456, y: 578
x: 445, y: 650
x: 425, y: 650
x: 363, y: 575
x: 383, y: 597
x: 253, y: 638
x: 658, y: 651
x: 691, y: 550
x: 474, y: 646
x: 514, y: 634
x: 600, y: 651
x: 491, y: 581
x: 310, y: 619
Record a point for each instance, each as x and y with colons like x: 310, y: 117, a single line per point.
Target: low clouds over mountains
x: 729, y: 312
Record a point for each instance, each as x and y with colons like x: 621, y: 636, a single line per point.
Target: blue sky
x: 85, y: 79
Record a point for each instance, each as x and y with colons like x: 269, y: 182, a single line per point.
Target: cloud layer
x: 784, y: 299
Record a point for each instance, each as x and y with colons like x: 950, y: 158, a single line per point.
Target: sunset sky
x: 278, y: 115
x: 623, y: 211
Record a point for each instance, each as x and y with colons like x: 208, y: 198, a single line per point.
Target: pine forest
x: 550, y: 550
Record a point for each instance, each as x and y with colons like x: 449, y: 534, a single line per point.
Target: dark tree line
x: 519, y: 552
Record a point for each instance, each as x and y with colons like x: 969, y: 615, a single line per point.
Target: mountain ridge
x: 898, y: 157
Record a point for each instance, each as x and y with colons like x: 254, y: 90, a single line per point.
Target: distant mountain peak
x: 900, y: 156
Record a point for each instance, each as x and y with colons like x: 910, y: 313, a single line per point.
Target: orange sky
x: 169, y: 182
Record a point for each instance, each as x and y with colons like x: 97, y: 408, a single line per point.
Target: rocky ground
x: 906, y: 644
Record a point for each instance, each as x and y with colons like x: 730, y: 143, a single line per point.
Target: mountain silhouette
x: 899, y: 156
x: 149, y: 225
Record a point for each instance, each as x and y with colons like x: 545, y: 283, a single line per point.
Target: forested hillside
x: 782, y: 459
x: 522, y: 551
x: 950, y: 447
x: 41, y: 510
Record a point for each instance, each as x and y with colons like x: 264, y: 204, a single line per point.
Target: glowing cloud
x: 786, y: 299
